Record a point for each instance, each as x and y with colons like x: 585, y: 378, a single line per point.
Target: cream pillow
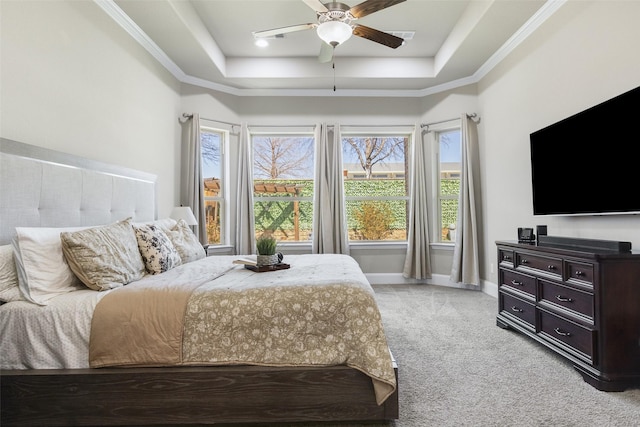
x: 9, y: 290
x: 158, y: 253
x: 42, y: 270
x: 186, y: 243
x: 104, y: 257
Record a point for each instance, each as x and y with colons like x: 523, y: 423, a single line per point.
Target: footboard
x: 190, y: 395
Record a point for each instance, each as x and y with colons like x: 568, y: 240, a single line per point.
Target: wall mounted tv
x: 587, y: 164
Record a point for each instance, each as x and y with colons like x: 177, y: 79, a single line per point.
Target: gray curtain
x: 330, y: 223
x: 466, y: 265
x: 245, y: 227
x: 191, y: 187
x: 417, y: 264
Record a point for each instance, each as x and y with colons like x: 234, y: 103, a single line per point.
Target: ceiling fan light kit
x: 334, y: 32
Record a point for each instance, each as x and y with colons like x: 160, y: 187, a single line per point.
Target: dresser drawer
x: 547, y: 265
x: 569, y: 298
x: 518, y: 281
x: 505, y: 256
x: 580, y: 272
x: 578, y: 338
x: 524, y: 311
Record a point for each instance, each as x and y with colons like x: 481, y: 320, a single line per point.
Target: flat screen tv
x: 588, y: 164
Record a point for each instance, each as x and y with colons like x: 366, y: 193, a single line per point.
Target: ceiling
x: 209, y: 43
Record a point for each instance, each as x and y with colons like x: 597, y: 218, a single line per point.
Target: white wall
x: 583, y: 55
x: 74, y: 81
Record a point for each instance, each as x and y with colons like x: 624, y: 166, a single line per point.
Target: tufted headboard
x: 45, y: 188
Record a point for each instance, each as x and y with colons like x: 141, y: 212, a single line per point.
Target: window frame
x: 222, y: 197
x: 434, y: 141
x: 377, y: 132
x: 286, y: 132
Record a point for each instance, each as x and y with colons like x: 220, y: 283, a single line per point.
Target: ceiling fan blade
x: 378, y: 36
x: 283, y: 30
x: 316, y: 5
x: 368, y: 7
x: 326, y: 53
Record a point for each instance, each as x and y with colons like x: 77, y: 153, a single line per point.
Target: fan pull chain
x: 334, y: 76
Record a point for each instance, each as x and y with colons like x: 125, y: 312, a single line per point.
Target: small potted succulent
x: 266, y: 245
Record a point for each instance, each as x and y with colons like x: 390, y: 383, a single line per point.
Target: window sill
x: 443, y: 246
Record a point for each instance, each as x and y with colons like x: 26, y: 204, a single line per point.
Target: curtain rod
x: 472, y: 116
x: 378, y: 126
x: 188, y: 116
x: 282, y: 126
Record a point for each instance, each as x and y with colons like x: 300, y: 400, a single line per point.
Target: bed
x: 84, y: 373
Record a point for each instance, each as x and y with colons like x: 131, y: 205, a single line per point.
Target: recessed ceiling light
x: 262, y: 43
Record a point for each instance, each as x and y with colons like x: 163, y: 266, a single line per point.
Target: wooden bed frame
x: 188, y: 395
x: 166, y: 396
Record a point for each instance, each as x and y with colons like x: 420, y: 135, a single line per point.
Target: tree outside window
x: 375, y: 169
x: 283, y: 168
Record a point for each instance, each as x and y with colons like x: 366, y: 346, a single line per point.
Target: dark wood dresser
x: 583, y: 304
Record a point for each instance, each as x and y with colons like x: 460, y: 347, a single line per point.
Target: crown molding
x: 121, y: 18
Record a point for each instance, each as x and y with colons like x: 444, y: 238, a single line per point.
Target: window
x: 376, y: 192
x: 212, y: 143
x: 449, y: 161
x: 283, y: 172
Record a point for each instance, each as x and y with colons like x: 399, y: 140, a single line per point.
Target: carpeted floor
x: 457, y: 368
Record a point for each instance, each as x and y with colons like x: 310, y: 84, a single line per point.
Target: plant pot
x: 264, y: 260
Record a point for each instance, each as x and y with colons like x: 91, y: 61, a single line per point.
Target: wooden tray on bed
x: 262, y: 269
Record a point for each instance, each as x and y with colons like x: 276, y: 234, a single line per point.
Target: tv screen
x: 587, y: 164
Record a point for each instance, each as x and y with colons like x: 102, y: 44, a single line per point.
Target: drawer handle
x: 563, y: 299
x: 524, y: 261
x: 551, y: 267
x: 579, y: 273
x: 516, y: 283
x: 516, y: 309
x: 562, y: 333
x: 506, y: 258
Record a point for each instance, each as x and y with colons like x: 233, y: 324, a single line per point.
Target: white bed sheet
x: 55, y: 336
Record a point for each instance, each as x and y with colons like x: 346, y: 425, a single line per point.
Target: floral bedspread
x: 320, y: 312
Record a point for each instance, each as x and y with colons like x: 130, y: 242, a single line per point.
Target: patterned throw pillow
x: 186, y: 243
x: 104, y: 257
x: 158, y: 253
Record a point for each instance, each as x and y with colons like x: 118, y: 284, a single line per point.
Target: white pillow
x: 9, y: 290
x: 185, y: 242
x: 43, y: 272
x: 164, y: 224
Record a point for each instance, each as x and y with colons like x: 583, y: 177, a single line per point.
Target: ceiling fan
x: 336, y: 25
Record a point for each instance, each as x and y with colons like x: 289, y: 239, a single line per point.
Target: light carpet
x: 457, y: 368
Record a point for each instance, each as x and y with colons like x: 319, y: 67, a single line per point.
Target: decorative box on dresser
x: 579, y: 301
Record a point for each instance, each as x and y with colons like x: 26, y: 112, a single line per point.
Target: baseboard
x: 487, y: 287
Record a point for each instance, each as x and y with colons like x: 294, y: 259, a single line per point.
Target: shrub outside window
x: 375, y: 167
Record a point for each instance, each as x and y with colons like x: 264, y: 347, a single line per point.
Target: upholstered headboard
x: 46, y: 188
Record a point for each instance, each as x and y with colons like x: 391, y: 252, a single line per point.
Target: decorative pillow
x: 158, y: 253
x: 186, y: 243
x: 42, y: 270
x: 9, y: 290
x: 104, y: 257
x: 164, y: 224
